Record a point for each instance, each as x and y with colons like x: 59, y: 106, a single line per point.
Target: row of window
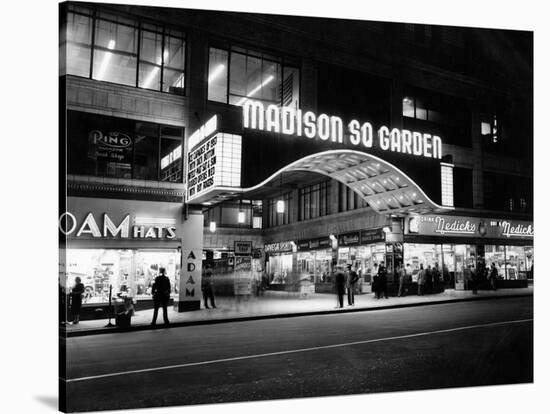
x: 236, y: 75
x: 110, y: 48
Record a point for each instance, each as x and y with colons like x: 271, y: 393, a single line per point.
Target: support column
x: 191, y: 237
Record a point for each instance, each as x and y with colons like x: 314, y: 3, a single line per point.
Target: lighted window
x: 124, y: 51
x: 76, y: 43
x: 252, y: 76
x: 217, y: 75
x: 447, y: 191
x: 408, y: 107
x: 490, y: 129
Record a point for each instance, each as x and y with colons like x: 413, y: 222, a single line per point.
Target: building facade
x: 201, y: 138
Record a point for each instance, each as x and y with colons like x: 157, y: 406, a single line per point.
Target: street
x: 435, y: 346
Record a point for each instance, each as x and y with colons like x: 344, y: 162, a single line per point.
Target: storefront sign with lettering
x: 289, y: 121
x: 285, y: 246
x: 439, y: 225
x: 69, y: 225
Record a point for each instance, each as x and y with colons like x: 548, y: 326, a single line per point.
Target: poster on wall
x: 242, y: 276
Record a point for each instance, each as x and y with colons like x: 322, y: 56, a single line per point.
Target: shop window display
x: 279, y: 268
x: 315, y: 265
x: 129, y: 272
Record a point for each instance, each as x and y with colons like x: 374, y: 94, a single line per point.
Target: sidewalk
x: 279, y: 304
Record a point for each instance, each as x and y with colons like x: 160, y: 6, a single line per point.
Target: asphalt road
x: 436, y: 346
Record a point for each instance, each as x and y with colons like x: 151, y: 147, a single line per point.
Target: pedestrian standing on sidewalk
x: 493, y: 275
x: 76, y: 299
x: 340, y: 283
x: 208, y: 289
x: 436, y: 276
x: 375, y: 281
x: 421, y: 280
x: 382, y: 281
x: 400, y: 274
x: 351, y: 284
x: 161, y: 295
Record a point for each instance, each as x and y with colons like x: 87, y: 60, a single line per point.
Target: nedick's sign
x: 470, y: 226
x: 289, y: 121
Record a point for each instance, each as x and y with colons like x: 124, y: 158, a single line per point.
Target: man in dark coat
x: 351, y: 284
x: 382, y: 281
x: 208, y: 289
x: 340, y: 281
x: 161, y: 296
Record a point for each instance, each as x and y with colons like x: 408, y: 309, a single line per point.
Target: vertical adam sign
x: 191, y: 263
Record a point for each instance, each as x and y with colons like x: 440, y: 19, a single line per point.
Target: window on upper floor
x: 314, y: 201
x: 274, y: 218
x: 105, y: 146
x: 445, y: 116
x: 111, y: 48
x: 349, y: 199
x: 490, y: 129
x: 237, y: 75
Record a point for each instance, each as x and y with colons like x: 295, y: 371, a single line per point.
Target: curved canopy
x: 382, y: 185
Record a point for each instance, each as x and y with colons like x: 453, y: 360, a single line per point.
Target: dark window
x: 277, y: 219
x: 122, y: 51
x: 447, y: 117
x: 106, y: 146
x: 505, y: 192
x: 253, y: 76
x: 349, y: 199
x: 314, y: 201
x: 462, y: 187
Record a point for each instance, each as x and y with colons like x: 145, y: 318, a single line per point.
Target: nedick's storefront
x: 120, y: 244
x: 459, y: 242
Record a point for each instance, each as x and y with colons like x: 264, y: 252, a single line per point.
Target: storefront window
x: 517, y: 263
x: 106, y: 146
x: 128, y: 272
x: 366, y: 259
x: 422, y: 254
x: 496, y: 255
x: 279, y: 267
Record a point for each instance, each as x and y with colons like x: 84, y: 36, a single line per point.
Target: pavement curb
x: 101, y: 331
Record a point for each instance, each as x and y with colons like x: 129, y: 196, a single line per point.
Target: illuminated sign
x: 216, y: 162
x: 143, y: 228
x: 469, y: 226
x: 519, y: 230
x: 243, y: 248
x: 285, y: 246
x: 111, y: 139
x: 203, y: 132
x: 289, y: 121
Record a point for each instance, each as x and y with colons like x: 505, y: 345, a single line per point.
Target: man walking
x: 340, y: 281
x: 400, y: 274
x: 161, y: 296
x: 351, y: 283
